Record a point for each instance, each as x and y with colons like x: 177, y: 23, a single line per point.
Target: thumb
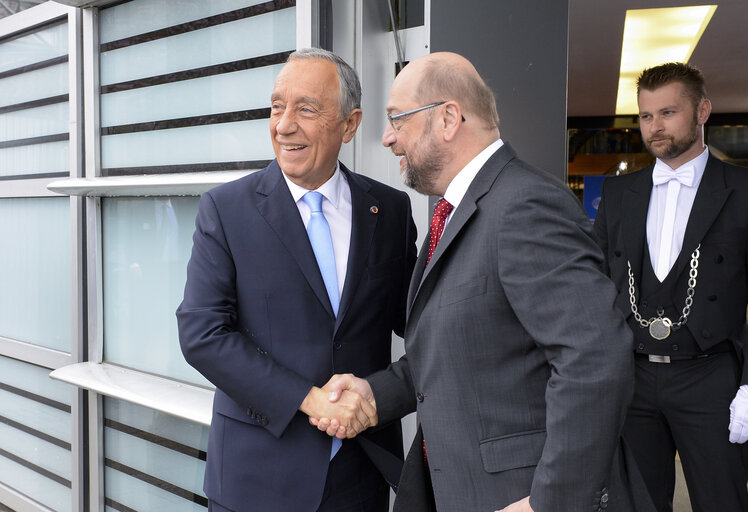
x: 337, y: 384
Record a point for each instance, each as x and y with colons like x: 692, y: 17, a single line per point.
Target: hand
x: 739, y: 416
x: 352, y: 413
x: 522, y: 505
x: 337, y: 387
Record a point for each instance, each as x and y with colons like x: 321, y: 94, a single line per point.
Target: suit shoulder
x: 380, y: 189
x: 240, y: 187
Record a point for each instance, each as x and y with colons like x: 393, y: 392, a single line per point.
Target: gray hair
x: 348, y: 83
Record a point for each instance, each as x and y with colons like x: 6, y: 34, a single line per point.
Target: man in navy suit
x: 269, y: 314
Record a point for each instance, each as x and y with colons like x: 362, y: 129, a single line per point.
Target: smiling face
x: 423, y: 158
x: 305, y: 124
x: 670, y: 123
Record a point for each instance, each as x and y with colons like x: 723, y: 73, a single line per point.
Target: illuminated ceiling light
x: 655, y: 36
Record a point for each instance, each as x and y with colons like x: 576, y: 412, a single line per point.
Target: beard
x: 675, y: 147
x: 423, y: 166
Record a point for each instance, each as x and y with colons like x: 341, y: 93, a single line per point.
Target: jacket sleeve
x: 550, y: 269
x: 207, y: 321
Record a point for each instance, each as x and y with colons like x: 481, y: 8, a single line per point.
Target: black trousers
x: 353, y: 485
x: 684, y: 406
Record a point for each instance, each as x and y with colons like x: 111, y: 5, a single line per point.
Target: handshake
x: 344, y: 407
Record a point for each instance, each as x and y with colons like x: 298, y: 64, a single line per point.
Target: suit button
x: 617, y: 253
x: 675, y: 348
x: 719, y: 259
x: 640, y: 346
x: 644, y: 303
x: 338, y: 346
x: 419, y: 396
x: 706, y: 333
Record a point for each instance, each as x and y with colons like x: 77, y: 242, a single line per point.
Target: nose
x: 657, y: 124
x: 286, y: 123
x: 388, y: 137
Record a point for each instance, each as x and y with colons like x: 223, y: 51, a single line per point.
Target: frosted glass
x: 34, y: 379
x: 240, y: 90
x: 142, y: 16
x: 146, y: 245
x: 39, y: 46
x: 152, y: 459
x: 156, y: 422
x: 138, y: 495
x: 35, y: 284
x: 225, y: 142
x: 34, y: 85
x: 48, y: 492
x: 250, y: 37
x: 35, y: 159
x: 181, y: 470
x: 36, y: 415
x: 35, y: 122
x: 36, y: 451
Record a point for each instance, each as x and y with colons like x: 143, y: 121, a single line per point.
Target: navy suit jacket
x: 257, y: 322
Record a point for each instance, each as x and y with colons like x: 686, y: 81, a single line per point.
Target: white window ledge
x: 186, y: 184
x: 186, y: 401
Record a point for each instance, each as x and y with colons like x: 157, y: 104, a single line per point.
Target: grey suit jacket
x: 517, y: 361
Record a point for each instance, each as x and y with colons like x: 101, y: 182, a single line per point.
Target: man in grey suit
x: 517, y: 361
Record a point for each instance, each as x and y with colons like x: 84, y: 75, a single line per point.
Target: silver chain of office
x: 659, y: 326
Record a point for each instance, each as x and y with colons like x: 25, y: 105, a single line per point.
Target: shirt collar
x: 458, y: 186
x: 698, y: 163
x: 330, y: 189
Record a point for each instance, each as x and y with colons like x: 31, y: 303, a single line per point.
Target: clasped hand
x: 344, y: 407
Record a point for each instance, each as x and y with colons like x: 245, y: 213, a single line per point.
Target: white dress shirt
x: 656, y: 212
x: 337, y: 209
x: 461, y: 182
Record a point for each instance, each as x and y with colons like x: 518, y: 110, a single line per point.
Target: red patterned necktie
x: 441, y: 212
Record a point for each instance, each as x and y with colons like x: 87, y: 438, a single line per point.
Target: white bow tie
x: 663, y: 174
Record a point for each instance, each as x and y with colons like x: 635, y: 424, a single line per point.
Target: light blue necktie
x: 319, y: 235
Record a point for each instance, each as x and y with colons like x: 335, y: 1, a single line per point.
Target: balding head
x: 449, y: 76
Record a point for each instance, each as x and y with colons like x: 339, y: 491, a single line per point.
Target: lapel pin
x: 374, y: 210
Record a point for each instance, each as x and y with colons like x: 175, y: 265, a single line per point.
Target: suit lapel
x: 635, y: 203
x: 467, y: 208
x: 363, y: 225
x: 709, y: 200
x: 281, y: 213
x: 418, y: 269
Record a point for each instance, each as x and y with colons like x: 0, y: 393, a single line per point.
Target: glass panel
x: 36, y: 47
x: 141, y: 16
x: 34, y: 85
x: 226, y: 142
x: 126, y: 447
x: 35, y: 122
x: 155, y: 422
x: 35, y: 159
x: 146, y: 245
x: 241, y: 90
x: 32, y: 431
x: 48, y: 492
x: 250, y: 37
x: 34, y: 379
x: 35, y: 287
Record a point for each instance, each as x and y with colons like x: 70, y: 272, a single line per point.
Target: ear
x: 703, y: 110
x: 350, y: 124
x: 452, y: 120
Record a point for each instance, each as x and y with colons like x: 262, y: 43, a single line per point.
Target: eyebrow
x: 303, y: 99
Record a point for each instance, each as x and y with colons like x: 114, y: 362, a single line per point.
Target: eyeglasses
x: 396, y: 119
